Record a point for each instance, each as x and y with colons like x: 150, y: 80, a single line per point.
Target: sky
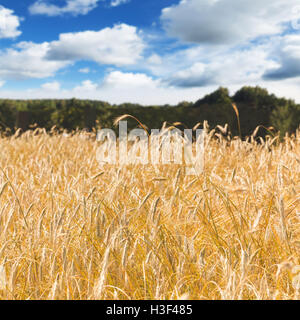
x: 147, y: 51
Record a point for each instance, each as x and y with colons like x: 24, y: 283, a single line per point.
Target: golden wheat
x: 71, y: 230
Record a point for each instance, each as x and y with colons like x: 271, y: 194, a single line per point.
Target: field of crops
x: 72, y: 230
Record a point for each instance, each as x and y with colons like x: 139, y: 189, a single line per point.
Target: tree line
x: 255, y: 107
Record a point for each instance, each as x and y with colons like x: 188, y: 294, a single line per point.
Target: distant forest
x: 255, y: 105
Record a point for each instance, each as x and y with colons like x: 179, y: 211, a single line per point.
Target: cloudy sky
x: 147, y: 51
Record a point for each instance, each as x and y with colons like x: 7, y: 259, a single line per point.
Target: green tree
x: 256, y: 97
x: 286, y: 118
x: 219, y: 96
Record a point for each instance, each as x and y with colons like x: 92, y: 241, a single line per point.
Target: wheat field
x: 73, y: 230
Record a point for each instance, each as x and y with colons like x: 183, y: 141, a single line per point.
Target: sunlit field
x: 73, y: 230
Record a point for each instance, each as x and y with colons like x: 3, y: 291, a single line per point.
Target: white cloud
x: 154, y: 59
x: 84, y: 70
x: 27, y: 60
x: 120, y: 45
x: 232, y: 25
x: 169, y: 63
x: 2, y: 83
x: 225, y: 68
x: 197, y: 75
x: 9, y: 23
x: 286, y: 55
x: 119, y: 80
x: 74, y: 7
x: 226, y: 21
x: 119, y: 87
x: 115, y: 3
x: 51, y: 86
x: 85, y: 86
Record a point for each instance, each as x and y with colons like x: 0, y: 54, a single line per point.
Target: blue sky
x: 147, y: 51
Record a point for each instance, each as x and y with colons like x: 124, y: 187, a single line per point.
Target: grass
x: 72, y: 230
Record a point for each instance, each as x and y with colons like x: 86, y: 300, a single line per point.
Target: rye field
x: 72, y: 230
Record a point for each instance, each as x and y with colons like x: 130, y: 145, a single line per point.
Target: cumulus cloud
x: 287, y: 57
x: 28, y: 60
x: 86, y: 86
x: 119, y: 87
x: 232, y: 25
x: 225, y: 68
x: 120, y: 45
x: 197, y: 75
x: 169, y: 63
x: 226, y: 21
x: 200, y: 66
x: 84, y: 70
x: 115, y: 3
x: 51, y: 86
x: 118, y: 79
x: 9, y: 23
x: 154, y: 59
x: 74, y: 7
